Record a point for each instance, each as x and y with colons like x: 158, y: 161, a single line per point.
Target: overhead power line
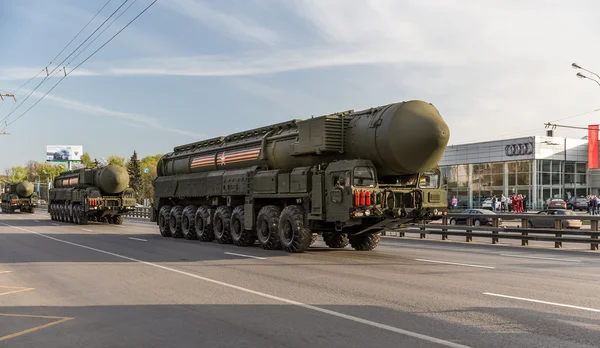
x: 85, y: 60
x: 48, y: 74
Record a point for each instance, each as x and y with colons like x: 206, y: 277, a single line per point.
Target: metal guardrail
x: 558, y: 234
x: 139, y: 212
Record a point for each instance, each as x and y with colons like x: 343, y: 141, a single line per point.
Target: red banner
x: 593, y: 146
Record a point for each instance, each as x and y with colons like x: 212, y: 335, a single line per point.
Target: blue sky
x: 190, y: 69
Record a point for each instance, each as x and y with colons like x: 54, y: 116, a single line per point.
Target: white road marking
x: 142, y: 240
x: 544, y: 302
x: 36, y: 220
x: 242, y: 255
x: 539, y: 258
x: 2, y: 272
x: 261, y: 294
x: 457, y: 264
x: 55, y: 225
x: 83, y: 229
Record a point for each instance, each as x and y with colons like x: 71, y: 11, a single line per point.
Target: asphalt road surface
x: 65, y: 285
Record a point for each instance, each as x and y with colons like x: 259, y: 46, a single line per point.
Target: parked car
x: 487, y: 204
x: 481, y: 217
x: 557, y: 203
x: 578, y: 203
x: 541, y: 220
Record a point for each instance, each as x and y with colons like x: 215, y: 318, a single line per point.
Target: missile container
x: 20, y: 196
x: 83, y: 195
x: 347, y: 176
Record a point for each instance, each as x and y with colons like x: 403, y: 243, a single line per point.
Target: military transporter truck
x: 347, y: 176
x: 20, y: 196
x: 84, y: 195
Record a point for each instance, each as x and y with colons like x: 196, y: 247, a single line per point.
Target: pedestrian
x: 454, y: 202
x: 494, y: 202
x: 525, y: 203
x: 502, y: 203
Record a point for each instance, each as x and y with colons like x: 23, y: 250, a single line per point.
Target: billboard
x: 63, y: 153
x: 593, y: 146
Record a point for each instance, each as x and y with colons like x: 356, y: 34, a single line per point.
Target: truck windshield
x: 364, y: 176
x: 429, y: 179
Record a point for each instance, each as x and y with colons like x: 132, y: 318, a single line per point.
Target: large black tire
x: 175, y: 221
x: 83, y: 217
x: 267, y: 222
x: 365, y: 241
x: 204, y: 230
x: 70, y: 214
x: 221, y: 225
x: 76, y: 214
x: 239, y: 235
x: 293, y: 235
x: 32, y: 210
x: 163, y: 220
x: 118, y: 219
x: 336, y: 240
x: 188, y: 222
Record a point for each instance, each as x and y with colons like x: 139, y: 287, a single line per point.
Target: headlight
x: 367, y: 212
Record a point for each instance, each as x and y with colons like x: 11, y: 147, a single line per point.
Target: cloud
x: 129, y: 118
x: 237, y: 27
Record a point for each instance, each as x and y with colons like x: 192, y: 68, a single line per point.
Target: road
x: 64, y: 285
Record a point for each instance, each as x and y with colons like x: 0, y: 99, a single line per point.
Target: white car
x: 487, y: 204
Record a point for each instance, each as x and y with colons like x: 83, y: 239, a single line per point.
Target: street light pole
x: 582, y: 76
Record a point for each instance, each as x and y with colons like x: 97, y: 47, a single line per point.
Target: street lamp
x: 582, y: 76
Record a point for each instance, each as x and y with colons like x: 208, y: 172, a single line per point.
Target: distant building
x: 540, y: 167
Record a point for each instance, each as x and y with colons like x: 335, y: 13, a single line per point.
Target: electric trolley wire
x: 85, y: 60
x: 50, y: 73
x: 64, y: 48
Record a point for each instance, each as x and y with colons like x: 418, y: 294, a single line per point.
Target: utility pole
x: 9, y: 95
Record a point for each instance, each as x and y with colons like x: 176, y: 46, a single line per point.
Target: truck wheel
x: 32, y: 210
x: 336, y: 240
x: 175, y: 221
x: 76, y: 214
x: 163, y: 220
x: 188, y: 219
x: 294, y: 236
x: 267, y: 231
x: 239, y: 235
x: 118, y: 219
x: 365, y: 241
x: 221, y: 225
x: 204, y: 231
x: 83, y: 217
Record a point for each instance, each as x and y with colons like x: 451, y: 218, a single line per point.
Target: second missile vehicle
x: 20, y: 196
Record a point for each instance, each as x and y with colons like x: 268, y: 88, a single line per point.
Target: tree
x: 116, y: 160
x: 148, y: 163
x: 86, y: 160
x: 135, y: 175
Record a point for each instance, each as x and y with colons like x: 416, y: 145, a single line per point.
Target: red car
x: 557, y: 203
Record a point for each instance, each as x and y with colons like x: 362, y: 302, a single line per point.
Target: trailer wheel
x: 163, y: 220
x: 336, y: 240
x: 365, y: 241
x: 204, y: 231
x: 267, y: 231
x: 221, y: 225
x: 239, y: 235
x: 188, y: 226
x: 294, y: 236
x: 175, y: 221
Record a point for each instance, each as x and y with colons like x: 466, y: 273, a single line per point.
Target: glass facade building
x: 539, y: 167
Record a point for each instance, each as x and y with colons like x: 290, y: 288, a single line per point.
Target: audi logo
x: 519, y: 149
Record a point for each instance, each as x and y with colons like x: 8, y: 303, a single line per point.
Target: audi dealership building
x: 541, y: 167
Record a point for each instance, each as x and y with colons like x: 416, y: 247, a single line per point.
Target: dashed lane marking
x: 539, y: 258
x: 58, y: 320
x: 85, y: 229
x: 2, y: 272
x: 242, y: 255
x: 13, y: 290
x: 141, y: 240
x: 261, y: 294
x: 455, y: 264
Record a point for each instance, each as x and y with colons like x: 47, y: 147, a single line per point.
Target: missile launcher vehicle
x: 346, y: 176
x: 20, y: 196
x: 84, y: 195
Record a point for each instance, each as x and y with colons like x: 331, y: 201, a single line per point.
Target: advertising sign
x: 593, y: 146
x: 63, y: 153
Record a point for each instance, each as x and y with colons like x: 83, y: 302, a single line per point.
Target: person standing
x: 454, y: 202
x: 502, y: 203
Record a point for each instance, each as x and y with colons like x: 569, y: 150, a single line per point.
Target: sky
x: 187, y: 70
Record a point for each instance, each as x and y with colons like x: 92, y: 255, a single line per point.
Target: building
x: 541, y: 167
